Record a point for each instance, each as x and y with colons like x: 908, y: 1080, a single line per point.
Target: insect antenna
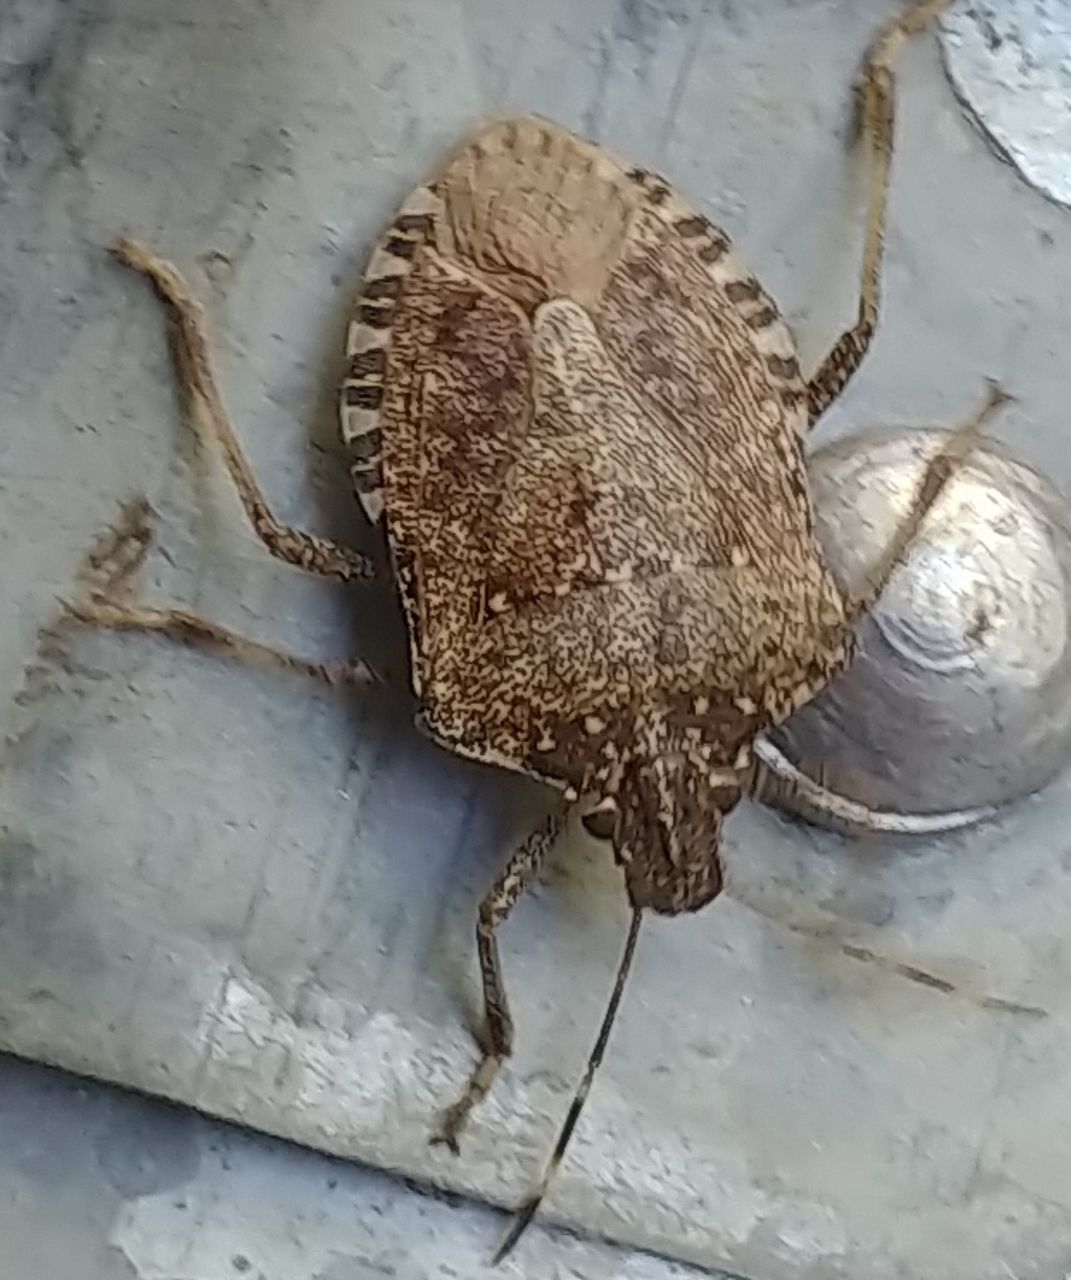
x: 528, y: 1210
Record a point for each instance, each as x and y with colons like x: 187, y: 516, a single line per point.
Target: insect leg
x: 194, y: 365
x: 105, y: 575
x: 519, y: 873
x: 875, y: 104
x: 938, y: 472
x: 193, y: 628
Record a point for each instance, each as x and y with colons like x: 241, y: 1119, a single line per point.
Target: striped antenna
x: 528, y: 1210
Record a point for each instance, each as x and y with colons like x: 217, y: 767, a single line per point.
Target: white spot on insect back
x: 623, y: 572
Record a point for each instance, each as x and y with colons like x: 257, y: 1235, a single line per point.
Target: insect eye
x: 601, y: 823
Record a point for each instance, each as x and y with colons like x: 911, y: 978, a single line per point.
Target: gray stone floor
x: 98, y: 1184
x: 230, y: 890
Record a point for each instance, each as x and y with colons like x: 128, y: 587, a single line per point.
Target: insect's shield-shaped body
x: 584, y: 434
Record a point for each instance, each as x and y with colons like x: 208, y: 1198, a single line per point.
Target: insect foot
x: 106, y: 575
x: 119, y: 551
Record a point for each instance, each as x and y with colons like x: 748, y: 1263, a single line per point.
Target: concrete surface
x: 228, y: 888
x: 96, y: 1184
x: 1009, y: 63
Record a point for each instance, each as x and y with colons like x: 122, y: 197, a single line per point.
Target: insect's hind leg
x: 193, y: 628
x: 194, y: 367
x: 875, y: 104
x: 497, y: 1038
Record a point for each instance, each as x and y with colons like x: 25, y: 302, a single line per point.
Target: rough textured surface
x: 1009, y: 62
x: 233, y: 889
x: 104, y: 1185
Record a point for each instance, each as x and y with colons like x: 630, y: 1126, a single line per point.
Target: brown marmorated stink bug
x: 580, y: 421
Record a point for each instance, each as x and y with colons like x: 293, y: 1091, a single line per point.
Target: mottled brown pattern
x: 584, y: 435
x: 580, y: 418
x: 368, y: 342
x: 591, y: 473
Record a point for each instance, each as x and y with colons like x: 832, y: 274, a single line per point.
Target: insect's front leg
x: 875, y: 94
x: 194, y: 628
x: 193, y: 363
x: 497, y: 1044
